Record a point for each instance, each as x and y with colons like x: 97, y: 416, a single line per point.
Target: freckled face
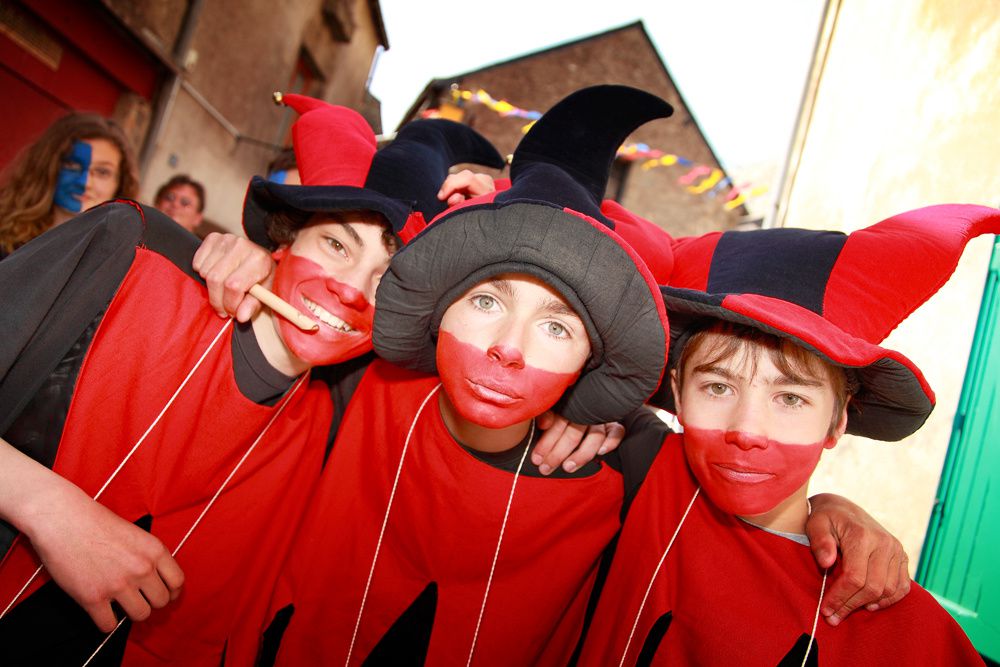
x: 752, y: 440
x: 89, y: 175
x: 507, y: 350
x: 330, y: 273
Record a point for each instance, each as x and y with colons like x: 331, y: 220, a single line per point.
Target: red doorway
x: 61, y: 56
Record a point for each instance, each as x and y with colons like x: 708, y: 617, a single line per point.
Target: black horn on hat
x: 580, y: 137
x: 414, y: 165
x: 547, y: 225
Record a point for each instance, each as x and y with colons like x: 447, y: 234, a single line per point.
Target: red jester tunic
x: 730, y: 593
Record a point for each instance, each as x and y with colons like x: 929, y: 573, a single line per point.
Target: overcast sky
x: 740, y: 65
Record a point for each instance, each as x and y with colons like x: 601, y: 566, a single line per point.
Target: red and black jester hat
x: 335, y: 151
x: 548, y: 225
x: 836, y: 295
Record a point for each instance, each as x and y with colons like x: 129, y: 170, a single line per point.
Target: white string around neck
x: 656, y: 571
x: 819, y: 603
x: 385, y: 521
x: 132, y: 451
x: 496, y: 554
x: 215, y: 496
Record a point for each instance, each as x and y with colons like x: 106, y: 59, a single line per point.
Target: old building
x: 624, y: 55
x: 191, y: 80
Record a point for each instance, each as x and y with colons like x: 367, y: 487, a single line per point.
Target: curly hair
x: 29, y: 184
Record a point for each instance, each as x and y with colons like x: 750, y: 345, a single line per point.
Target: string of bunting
x: 699, y: 179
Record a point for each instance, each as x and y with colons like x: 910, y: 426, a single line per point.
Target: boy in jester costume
x: 775, y: 347
x: 433, y: 538
x: 118, y: 381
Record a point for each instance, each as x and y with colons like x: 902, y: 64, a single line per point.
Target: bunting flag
x: 502, y: 107
x: 700, y: 179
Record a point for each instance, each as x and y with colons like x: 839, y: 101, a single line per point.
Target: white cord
x: 819, y: 603
x: 215, y: 497
x: 812, y: 635
x: 385, y: 521
x: 131, y: 452
x: 655, y: 573
x: 496, y: 554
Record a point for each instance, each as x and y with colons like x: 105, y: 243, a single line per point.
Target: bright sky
x: 740, y: 65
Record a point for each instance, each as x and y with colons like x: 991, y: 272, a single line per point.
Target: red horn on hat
x: 886, y: 271
x: 324, y: 131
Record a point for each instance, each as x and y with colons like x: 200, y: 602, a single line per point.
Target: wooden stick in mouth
x: 283, y: 308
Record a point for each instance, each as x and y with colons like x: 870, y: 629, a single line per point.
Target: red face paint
x: 496, y: 388
x: 344, y: 315
x: 746, y: 474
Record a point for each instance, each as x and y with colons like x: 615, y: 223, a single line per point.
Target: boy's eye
x: 483, y: 301
x: 105, y: 173
x: 791, y: 400
x: 336, y: 245
x: 555, y: 329
x: 717, y: 388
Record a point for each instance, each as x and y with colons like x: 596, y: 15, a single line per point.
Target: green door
x: 959, y: 563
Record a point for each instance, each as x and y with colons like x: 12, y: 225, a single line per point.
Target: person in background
x: 81, y: 160
x: 183, y: 199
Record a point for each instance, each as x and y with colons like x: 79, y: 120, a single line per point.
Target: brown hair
x: 29, y: 184
x: 283, y: 161
x: 181, y: 179
x: 791, y: 359
x: 283, y: 225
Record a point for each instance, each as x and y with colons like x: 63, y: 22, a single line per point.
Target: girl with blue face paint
x: 87, y: 177
x: 82, y: 160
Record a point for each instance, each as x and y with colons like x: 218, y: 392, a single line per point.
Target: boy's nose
x: 506, y: 355
x: 508, y: 344
x: 349, y: 295
x: 746, y: 428
x: 745, y: 441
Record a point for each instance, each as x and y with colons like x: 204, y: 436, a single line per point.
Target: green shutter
x: 959, y: 562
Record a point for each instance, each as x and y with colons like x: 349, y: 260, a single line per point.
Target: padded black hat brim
x: 577, y: 256
x: 264, y: 197
x: 891, y: 403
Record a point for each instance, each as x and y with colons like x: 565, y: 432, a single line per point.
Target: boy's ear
x: 675, y: 388
x: 280, y: 253
x: 839, y: 431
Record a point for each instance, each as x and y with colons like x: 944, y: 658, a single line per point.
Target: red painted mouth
x: 740, y: 475
x: 333, y: 315
x: 493, y: 393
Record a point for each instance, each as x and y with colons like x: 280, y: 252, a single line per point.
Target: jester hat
x: 341, y: 170
x: 835, y: 295
x: 548, y: 224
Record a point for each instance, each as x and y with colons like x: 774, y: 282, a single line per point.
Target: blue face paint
x: 71, y: 181
x: 278, y: 176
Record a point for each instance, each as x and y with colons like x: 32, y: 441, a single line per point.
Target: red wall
x: 99, y: 62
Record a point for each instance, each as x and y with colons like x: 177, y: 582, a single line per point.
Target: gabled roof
x: 376, y: 10
x: 437, y: 86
